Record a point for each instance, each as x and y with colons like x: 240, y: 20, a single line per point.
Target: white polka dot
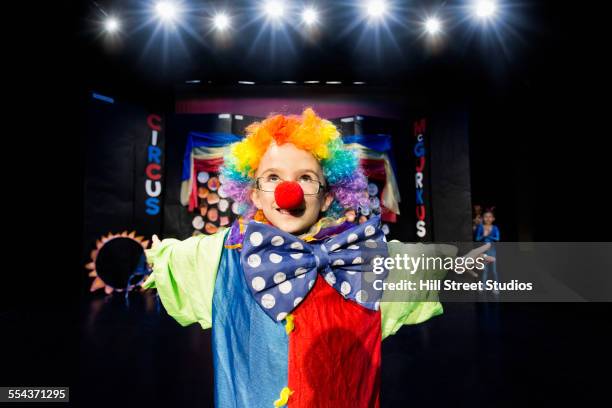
x: 254, y: 260
x: 323, y: 248
x: 203, y: 177
x: 297, y: 301
x: 277, y: 240
x: 369, y: 231
x: 221, y: 192
x: 279, y: 277
x: 198, y: 222
x: 297, y: 256
x: 275, y: 258
x: 334, y: 247
x: 311, y: 284
x: 361, y: 296
x: 352, y: 238
x: 330, y: 278
x: 256, y: 238
x: 338, y: 262
x: 285, y: 287
x: 296, y: 245
x: 377, y: 305
x: 223, y: 205
x: 258, y: 283
x: 281, y: 316
x: 300, y: 271
x: 358, y: 260
x: 370, y: 243
x: 385, y: 229
x: 317, y: 260
x: 353, y: 247
x: 268, y: 301
x: 345, y: 288
x: 351, y: 272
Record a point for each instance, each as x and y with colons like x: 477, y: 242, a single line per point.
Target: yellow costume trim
x: 290, y: 325
x: 284, y: 397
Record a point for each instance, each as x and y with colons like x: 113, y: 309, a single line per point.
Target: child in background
x: 489, y: 233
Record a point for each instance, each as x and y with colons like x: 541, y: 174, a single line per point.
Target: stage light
x: 111, y: 25
x: 246, y: 82
x: 221, y: 21
x: 310, y: 16
x: 166, y: 10
x: 333, y: 82
x: 433, y: 26
x: 485, y: 8
x: 376, y: 8
x: 274, y: 9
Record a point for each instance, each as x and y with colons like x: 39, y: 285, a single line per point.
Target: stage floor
x: 477, y: 355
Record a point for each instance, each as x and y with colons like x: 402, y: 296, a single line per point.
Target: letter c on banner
x: 151, y: 168
x: 157, y: 119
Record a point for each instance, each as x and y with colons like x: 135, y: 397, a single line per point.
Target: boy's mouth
x: 295, y: 212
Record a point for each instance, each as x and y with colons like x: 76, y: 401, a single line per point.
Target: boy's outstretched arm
x: 184, y: 274
x: 397, y: 311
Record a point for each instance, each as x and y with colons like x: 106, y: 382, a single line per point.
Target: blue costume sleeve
x: 479, y: 233
x: 494, y: 235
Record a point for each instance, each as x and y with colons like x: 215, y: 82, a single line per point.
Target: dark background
x: 537, y: 136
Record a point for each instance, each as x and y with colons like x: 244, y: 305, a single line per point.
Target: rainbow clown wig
x: 309, y: 132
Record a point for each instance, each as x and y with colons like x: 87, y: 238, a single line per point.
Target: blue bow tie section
x: 280, y: 269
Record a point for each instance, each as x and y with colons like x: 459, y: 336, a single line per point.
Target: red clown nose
x: 288, y: 195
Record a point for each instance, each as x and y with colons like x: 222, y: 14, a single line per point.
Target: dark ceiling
x: 514, y: 51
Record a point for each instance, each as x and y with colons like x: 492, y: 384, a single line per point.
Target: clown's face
x: 289, y: 163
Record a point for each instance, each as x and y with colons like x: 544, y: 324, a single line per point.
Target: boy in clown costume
x: 293, y: 321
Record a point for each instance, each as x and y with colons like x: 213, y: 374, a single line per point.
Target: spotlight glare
x: 221, y: 21
x: 111, y: 24
x: 485, y: 8
x: 433, y: 26
x: 376, y: 8
x: 166, y: 10
x: 309, y: 16
x: 274, y: 9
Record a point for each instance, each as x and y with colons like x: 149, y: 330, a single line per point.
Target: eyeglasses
x: 269, y: 183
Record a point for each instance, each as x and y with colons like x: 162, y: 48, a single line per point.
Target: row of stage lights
x: 169, y: 12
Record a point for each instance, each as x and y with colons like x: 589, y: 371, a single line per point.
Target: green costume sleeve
x: 397, y: 309
x: 184, y: 274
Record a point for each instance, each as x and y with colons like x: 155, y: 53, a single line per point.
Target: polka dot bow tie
x: 281, y: 269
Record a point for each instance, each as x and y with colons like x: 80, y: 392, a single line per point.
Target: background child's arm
x: 479, y: 233
x: 184, y: 274
x: 494, y: 233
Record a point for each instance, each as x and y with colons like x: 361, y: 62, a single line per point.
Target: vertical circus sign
x: 420, y: 153
x: 153, y: 171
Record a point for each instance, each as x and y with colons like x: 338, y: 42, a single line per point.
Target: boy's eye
x: 306, y: 177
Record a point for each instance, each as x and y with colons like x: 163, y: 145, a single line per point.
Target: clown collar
x: 324, y: 228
